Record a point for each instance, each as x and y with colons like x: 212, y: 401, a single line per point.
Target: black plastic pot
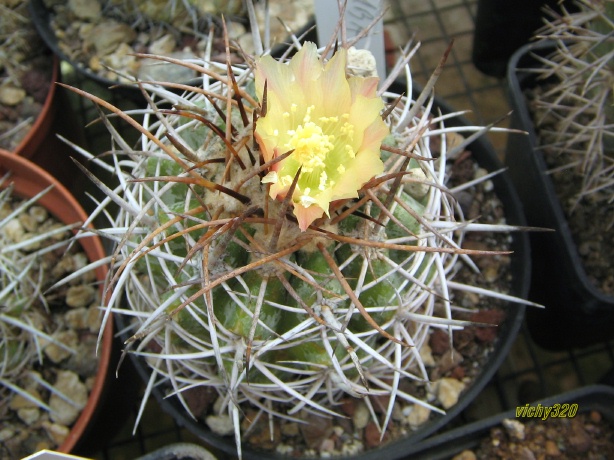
x: 577, y: 314
x: 503, y: 26
x: 41, y: 17
x: 179, y: 451
x: 451, y: 443
x: 487, y: 158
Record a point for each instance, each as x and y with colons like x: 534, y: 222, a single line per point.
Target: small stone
x: 108, y: 36
x: 220, y: 424
x: 80, y: 296
x: 235, y: 30
x: 164, y: 46
x: 57, y: 353
x: 348, y: 406
x: 439, y: 341
x: 515, y: 429
x: 418, y: 415
x: 94, y: 319
x: 491, y: 273
x: 352, y: 447
x: 68, y: 384
x: 28, y: 415
x: 361, y: 416
x: 361, y: 62
x: 448, y: 391
x: 327, y: 445
x: 19, y: 402
x: 29, y: 223
x: 526, y: 454
x: 11, y: 95
x: 595, y: 416
x: 373, y: 437
x: 484, y: 333
x: 13, y: 230
x: 38, y: 213
x: 57, y: 432
x: 315, y: 430
x: 77, y: 318
x: 552, y: 450
x: 426, y: 355
x: 579, y: 441
x: 414, y: 183
x: 465, y: 455
x: 122, y: 58
x: 85, y: 9
x: 449, y: 360
x: 6, y: 433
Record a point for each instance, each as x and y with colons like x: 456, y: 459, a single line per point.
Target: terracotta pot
x: 41, y: 144
x: 42, y: 126
x: 29, y: 180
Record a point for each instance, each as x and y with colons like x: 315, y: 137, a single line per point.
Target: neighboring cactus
x: 580, y: 103
x: 24, y: 277
x: 283, y: 235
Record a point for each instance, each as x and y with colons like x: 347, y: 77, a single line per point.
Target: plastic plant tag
x: 358, y: 15
x: 50, y: 455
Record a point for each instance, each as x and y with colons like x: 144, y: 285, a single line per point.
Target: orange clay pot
x: 29, y: 179
x: 42, y: 126
x: 41, y: 144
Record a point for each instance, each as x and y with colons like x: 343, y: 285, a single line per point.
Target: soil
x: 586, y: 436
x: 25, y: 80
x: 67, y: 314
x: 77, y: 31
x: 462, y: 364
x: 590, y: 219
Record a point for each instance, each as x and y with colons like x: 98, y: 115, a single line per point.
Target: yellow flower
x: 332, y: 122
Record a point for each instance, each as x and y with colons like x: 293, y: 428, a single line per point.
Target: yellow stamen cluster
x: 330, y: 122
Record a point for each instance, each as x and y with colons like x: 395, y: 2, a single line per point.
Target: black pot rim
x: 592, y: 397
x: 41, y: 17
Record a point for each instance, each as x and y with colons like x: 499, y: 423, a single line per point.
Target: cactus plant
x: 36, y: 339
x: 576, y: 113
x: 284, y: 234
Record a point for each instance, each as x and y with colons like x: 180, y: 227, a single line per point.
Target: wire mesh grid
x: 529, y: 372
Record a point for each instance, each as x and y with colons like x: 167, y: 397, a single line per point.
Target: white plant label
x: 358, y: 15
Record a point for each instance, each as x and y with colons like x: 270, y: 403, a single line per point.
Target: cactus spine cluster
x: 580, y: 102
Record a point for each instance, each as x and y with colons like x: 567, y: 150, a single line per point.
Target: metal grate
x: 529, y: 373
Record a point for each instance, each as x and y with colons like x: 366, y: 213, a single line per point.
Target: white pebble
x: 418, y: 415
x: 361, y: 416
x: 448, y: 391
x: 514, y: 428
x: 220, y: 424
x: 62, y: 411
